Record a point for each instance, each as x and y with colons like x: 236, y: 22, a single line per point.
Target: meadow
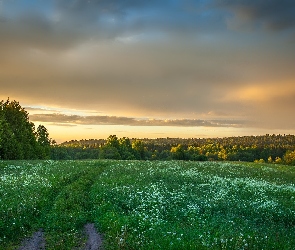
x: 149, y: 204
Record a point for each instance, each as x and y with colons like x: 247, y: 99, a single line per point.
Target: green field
x: 149, y: 204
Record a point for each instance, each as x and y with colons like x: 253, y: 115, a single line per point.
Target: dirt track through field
x: 37, y: 241
x: 94, y: 241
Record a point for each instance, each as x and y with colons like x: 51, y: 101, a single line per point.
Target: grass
x: 149, y: 205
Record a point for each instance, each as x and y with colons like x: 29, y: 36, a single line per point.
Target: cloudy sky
x: 137, y: 68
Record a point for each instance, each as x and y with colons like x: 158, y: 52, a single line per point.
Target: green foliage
x: 125, y: 149
x: 179, y: 153
x: 122, y: 148
x: 113, y: 141
x: 44, y: 142
x: 289, y: 158
x: 246, y: 148
x: 278, y: 160
x: 110, y: 152
x: 18, y: 139
x: 9, y: 146
x: 59, y: 152
x: 259, y: 161
x: 139, y: 150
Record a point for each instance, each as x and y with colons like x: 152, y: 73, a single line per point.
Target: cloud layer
x: 59, y: 119
x: 272, y: 14
x: 179, y: 63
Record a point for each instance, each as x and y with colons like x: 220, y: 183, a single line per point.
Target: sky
x: 150, y: 69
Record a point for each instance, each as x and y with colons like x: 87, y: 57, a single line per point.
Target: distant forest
x: 265, y: 148
x: 19, y: 139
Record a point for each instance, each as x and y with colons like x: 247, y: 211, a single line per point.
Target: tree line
x: 265, y: 148
x: 19, y: 139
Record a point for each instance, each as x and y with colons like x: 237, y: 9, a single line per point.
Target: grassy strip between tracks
x: 49, y: 195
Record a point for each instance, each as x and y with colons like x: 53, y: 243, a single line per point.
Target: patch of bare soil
x: 36, y: 242
x: 94, y: 241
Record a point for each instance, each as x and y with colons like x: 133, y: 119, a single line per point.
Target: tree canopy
x: 264, y: 148
x: 18, y: 138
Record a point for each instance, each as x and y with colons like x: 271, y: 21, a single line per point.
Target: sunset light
x: 88, y: 69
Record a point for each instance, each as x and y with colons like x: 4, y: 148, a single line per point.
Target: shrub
x: 289, y: 158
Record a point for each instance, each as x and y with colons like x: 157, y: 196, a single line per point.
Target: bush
x: 289, y: 158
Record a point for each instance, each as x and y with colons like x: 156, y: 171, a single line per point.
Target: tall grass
x: 149, y: 205
x: 45, y: 194
x: 185, y: 205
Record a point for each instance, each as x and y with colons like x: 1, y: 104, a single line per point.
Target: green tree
x: 18, y: 139
x: 165, y: 155
x: 44, y: 142
x: 178, y: 152
x: 9, y: 147
x: 109, y: 152
x: 112, y: 141
x: 111, y: 148
x: 21, y: 127
x: 222, y: 154
x: 139, y: 150
x: 125, y: 149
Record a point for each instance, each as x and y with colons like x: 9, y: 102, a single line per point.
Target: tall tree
x: 18, y: 139
x: 111, y: 148
x: 126, y: 151
x: 139, y: 149
x: 44, y: 142
x: 9, y: 147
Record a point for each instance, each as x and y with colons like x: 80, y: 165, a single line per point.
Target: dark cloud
x: 273, y: 14
x: 69, y: 23
x: 92, y: 10
x: 57, y: 118
x: 123, y: 13
x: 115, y: 18
x: 32, y: 30
x: 138, y: 58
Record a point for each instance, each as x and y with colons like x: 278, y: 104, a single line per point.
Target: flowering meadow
x: 149, y: 204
